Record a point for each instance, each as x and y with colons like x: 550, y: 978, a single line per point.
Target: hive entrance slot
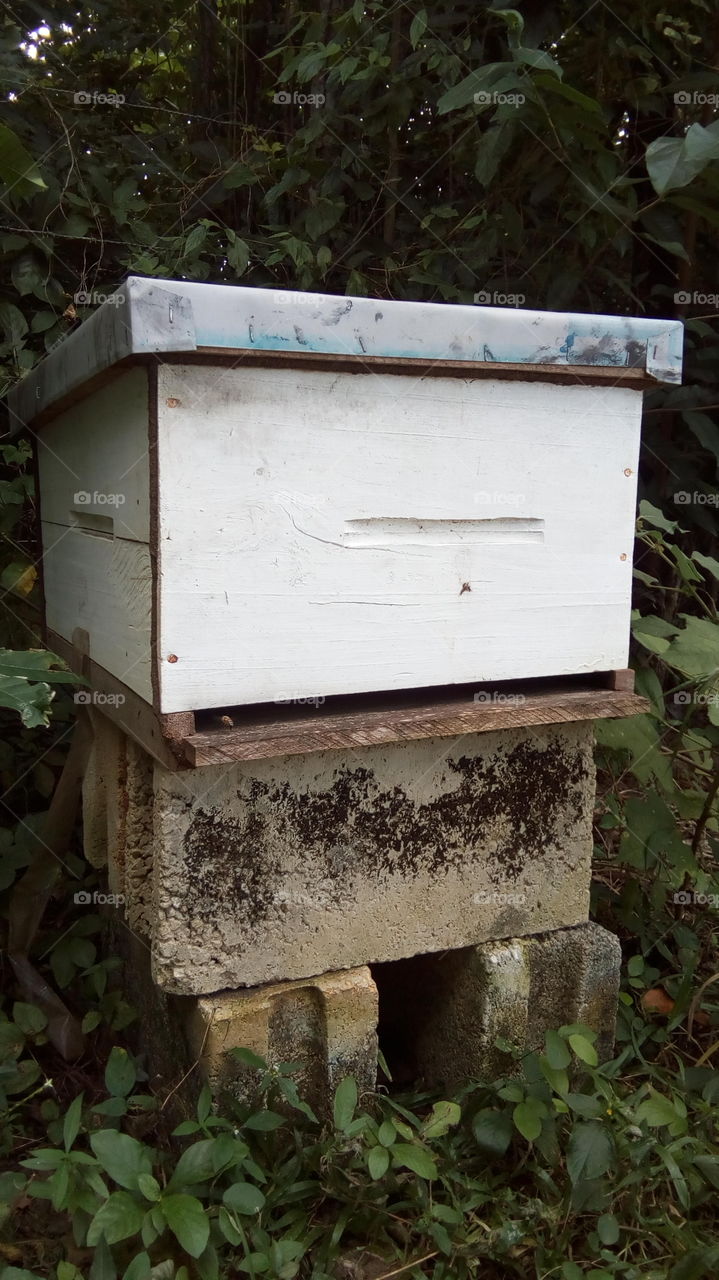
x: 89, y: 522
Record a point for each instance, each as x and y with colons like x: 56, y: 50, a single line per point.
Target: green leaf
x: 345, y: 1102
x: 28, y: 273
x: 149, y: 1187
x: 17, y: 167
x: 264, y: 1121
x: 557, y: 1053
x: 71, y: 1123
x: 695, y: 650
x: 243, y: 1197
x: 238, y: 256
x: 386, y: 1133
x: 12, y: 321
x: 495, y: 77
x: 139, y: 1268
x: 608, y: 1228
x: 186, y: 1218
x: 528, y: 1116
x: 675, y: 162
x: 196, y: 1164
x: 443, y: 1117
x: 584, y: 1050
x: 378, y: 1162
x: 29, y: 1018
x: 120, y: 1072
x: 249, y: 1058
x: 493, y: 1131
x: 590, y: 1151
x: 539, y: 59
x: 652, y: 515
x: 417, y: 27
x: 415, y: 1158
x: 656, y: 1110
x: 119, y: 1217
x: 121, y: 1156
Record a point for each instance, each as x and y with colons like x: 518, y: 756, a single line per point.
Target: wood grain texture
x: 103, y: 585
x: 93, y: 462
x: 267, y: 591
x: 119, y: 703
x: 310, y: 732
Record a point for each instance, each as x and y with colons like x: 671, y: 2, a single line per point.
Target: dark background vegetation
x: 598, y: 192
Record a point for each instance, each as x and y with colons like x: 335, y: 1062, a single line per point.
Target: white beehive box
x: 234, y: 511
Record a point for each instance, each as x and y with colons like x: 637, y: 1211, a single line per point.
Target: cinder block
x: 515, y: 989
x: 328, y: 1024
x: 118, y: 823
x: 275, y: 870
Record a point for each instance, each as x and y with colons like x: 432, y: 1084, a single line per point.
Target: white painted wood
x: 103, y: 585
x: 93, y: 461
x: 336, y: 533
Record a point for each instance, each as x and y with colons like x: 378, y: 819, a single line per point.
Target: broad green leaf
x: 345, y: 1102
x: 378, y: 1162
x: 675, y: 162
x: 29, y: 1018
x: 555, y: 1048
x: 608, y: 1228
x: 590, y: 1151
x: 264, y: 1121
x: 17, y: 168
x: 584, y: 1050
x: 539, y: 59
x: 119, y: 1217
x: 417, y: 27
x: 443, y: 1117
x: 121, y: 1156
x: 652, y: 515
x: 528, y: 1116
x: 493, y: 1131
x: 139, y: 1268
x: 695, y: 650
x: 656, y: 1110
x: 243, y: 1197
x: 120, y: 1072
x: 188, y: 1221
x: 196, y: 1164
x: 415, y: 1158
x: 495, y: 77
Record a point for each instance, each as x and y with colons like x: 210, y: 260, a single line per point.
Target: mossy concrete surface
x: 276, y: 870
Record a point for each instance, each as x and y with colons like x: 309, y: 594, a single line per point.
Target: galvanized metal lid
x: 147, y: 316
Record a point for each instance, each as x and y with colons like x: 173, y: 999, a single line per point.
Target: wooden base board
x: 187, y: 739
x: 454, y: 716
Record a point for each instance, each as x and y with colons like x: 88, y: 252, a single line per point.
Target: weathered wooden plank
x: 324, y: 535
x: 308, y: 732
x: 121, y: 704
x: 93, y: 461
x: 103, y: 585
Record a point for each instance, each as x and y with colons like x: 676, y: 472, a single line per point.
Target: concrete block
x: 329, y: 1024
x: 275, y: 870
x: 516, y: 989
x: 118, y: 822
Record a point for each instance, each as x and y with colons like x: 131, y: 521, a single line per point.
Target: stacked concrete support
x: 264, y: 891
